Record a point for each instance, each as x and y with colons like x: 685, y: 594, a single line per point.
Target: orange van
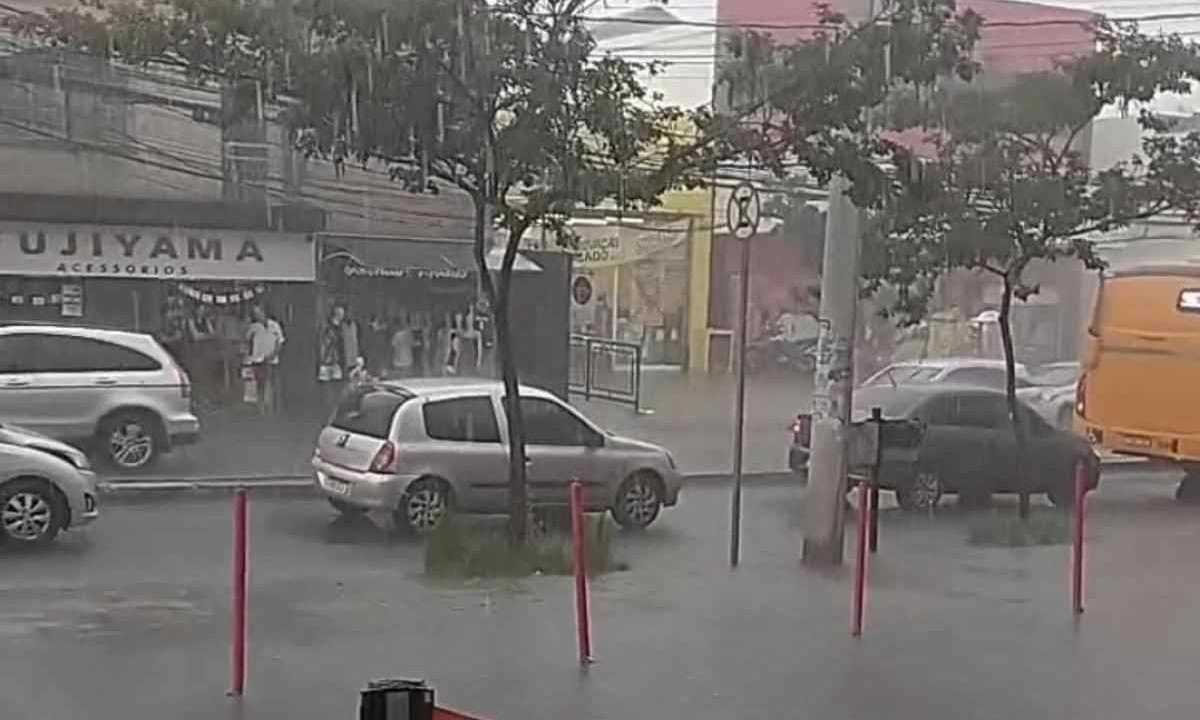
x: 1139, y: 393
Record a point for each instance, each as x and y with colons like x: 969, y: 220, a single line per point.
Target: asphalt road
x: 129, y: 620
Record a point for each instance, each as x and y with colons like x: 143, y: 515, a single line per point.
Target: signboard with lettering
x: 154, y: 252
x: 607, y: 246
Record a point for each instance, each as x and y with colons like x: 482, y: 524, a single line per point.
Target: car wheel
x: 639, y: 501
x: 346, y: 508
x: 424, y: 506
x: 921, y: 493
x: 31, y: 513
x: 130, y: 441
x: 1188, y: 491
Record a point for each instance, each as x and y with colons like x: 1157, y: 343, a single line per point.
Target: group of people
x: 404, y: 345
x: 217, y: 349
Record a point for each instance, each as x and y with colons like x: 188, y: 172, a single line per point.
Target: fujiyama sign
x: 154, y: 252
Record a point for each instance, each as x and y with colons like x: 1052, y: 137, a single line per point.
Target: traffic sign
x: 743, y: 211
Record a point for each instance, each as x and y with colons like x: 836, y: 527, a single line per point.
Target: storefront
x: 408, y: 302
x: 638, y: 268
x: 192, y: 288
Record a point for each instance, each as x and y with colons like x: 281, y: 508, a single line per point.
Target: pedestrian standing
x: 402, y: 349
x: 453, y: 351
x: 264, y: 339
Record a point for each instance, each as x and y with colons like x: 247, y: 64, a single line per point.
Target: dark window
x: 16, y: 352
x: 61, y: 353
x: 469, y: 419
x: 368, y: 411
x: 981, y: 411
x: 547, y: 423
x: 938, y: 411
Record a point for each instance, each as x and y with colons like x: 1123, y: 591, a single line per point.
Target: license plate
x: 1137, y: 442
x: 337, y: 487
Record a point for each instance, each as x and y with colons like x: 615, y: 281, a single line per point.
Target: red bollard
x: 582, y: 616
x: 860, y: 568
x: 1077, y: 564
x: 238, y: 640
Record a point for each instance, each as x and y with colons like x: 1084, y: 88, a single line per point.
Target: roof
x: 897, y: 402
x: 1168, y: 270
x: 86, y: 331
x: 956, y: 362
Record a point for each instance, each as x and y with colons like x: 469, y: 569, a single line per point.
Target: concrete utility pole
x: 824, y: 521
x: 825, y: 505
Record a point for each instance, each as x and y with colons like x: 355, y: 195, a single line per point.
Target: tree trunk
x: 497, y: 294
x: 1010, y: 390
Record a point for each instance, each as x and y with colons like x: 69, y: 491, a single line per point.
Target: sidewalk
x: 693, y: 418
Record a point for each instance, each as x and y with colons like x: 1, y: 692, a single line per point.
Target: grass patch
x: 1044, y: 527
x: 460, y: 549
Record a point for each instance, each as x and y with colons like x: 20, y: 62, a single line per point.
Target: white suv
x: 119, y: 393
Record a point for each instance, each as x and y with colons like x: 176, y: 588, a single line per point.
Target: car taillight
x: 1081, y: 396
x: 384, y: 458
x: 185, y: 383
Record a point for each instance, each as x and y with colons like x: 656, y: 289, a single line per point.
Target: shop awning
x: 418, y: 259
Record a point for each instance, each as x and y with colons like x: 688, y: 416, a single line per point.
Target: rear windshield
x: 369, y: 410
x: 898, y: 374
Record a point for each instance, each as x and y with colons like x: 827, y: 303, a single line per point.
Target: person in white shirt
x: 402, y: 350
x: 264, y: 339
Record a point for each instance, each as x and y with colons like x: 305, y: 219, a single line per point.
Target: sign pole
x: 742, y: 216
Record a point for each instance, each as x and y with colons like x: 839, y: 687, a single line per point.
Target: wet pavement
x: 692, y: 417
x: 129, y: 620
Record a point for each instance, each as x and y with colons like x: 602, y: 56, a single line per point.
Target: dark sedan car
x: 969, y: 449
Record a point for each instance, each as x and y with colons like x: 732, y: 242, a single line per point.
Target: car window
x: 937, y: 411
x: 981, y: 411
x: 368, y: 411
x: 470, y: 419
x: 16, y: 353
x: 65, y: 354
x: 547, y: 423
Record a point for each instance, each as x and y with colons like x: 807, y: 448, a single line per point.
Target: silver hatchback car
x: 421, y: 448
x: 119, y: 392
x: 46, y: 486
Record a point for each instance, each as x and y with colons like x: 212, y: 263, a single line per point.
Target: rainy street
x: 129, y: 620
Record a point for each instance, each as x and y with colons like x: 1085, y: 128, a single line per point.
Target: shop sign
x: 599, y: 247
x: 154, y: 252
x: 363, y: 271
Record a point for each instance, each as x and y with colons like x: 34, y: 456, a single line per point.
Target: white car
x: 977, y: 372
x: 46, y: 486
x: 1051, y: 392
x: 118, y: 392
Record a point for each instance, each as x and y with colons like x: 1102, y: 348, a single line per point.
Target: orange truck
x: 1139, y: 393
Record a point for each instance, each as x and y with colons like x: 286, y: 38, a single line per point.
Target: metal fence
x: 606, y: 370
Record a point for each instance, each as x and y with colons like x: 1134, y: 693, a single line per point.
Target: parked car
x: 969, y: 449
x: 984, y: 372
x: 120, y: 393
x: 423, y: 448
x: 46, y: 486
x: 1051, y: 392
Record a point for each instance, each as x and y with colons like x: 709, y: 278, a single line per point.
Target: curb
x: 302, y: 485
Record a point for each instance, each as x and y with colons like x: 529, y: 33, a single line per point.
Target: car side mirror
x: 594, y: 440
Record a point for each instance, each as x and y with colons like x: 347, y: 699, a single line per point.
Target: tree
x: 508, y: 101
x: 1007, y: 182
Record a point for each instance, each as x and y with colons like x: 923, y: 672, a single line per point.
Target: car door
x: 944, y: 441
x: 17, y: 381
x: 465, y: 438
x: 989, y: 450
x: 559, y: 447
x: 77, y: 380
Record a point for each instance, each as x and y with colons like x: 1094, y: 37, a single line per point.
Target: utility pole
x: 824, y: 507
